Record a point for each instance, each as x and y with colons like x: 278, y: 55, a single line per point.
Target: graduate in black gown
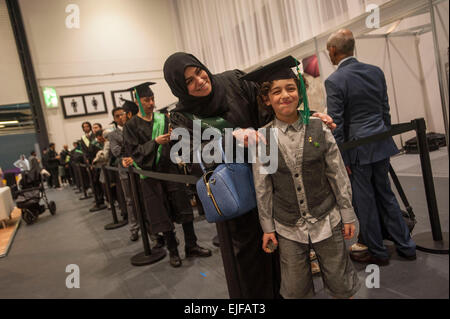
x: 146, y: 139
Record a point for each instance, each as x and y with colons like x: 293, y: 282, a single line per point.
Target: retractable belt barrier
x: 438, y: 244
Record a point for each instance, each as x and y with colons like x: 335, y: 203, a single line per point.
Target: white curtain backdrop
x: 229, y: 34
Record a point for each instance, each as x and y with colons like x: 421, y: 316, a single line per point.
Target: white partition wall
x: 12, y: 84
x: 120, y: 43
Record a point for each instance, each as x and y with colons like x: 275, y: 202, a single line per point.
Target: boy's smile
x: 283, y: 97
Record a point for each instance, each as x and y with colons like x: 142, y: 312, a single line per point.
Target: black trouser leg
x: 171, y: 241
x: 190, y: 239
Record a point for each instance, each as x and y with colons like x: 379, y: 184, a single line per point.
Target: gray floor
x: 36, y: 264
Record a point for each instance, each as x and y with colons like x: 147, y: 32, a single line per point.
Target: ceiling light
x: 9, y: 122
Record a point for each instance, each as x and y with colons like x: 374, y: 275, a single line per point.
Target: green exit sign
x: 50, y: 97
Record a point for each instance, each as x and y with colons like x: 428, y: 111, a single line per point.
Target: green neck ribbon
x: 302, y: 89
x: 141, y: 109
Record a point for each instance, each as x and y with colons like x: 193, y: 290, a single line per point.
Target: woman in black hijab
x: 250, y: 273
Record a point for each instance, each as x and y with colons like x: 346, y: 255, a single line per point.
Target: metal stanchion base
x: 141, y: 259
x: 115, y: 226
x: 424, y: 242
x: 85, y: 197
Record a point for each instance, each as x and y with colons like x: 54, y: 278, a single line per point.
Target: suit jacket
x: 357, y: 101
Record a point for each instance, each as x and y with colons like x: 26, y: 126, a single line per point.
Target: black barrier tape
x: 395, y: 130
x: 191, y: 179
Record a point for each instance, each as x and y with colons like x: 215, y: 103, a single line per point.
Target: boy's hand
x: 326, y: 119
x: 267, y: 237
x: 348, y: 231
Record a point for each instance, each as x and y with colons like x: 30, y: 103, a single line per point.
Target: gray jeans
x: 132, y: 218
x: 339, y: 276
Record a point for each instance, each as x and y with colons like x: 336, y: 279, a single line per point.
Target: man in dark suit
x: 357, y: 101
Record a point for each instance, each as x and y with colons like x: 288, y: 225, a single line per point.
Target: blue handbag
x: 227, y: 192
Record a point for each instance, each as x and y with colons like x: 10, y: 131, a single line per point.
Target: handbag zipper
x: 210, y: 194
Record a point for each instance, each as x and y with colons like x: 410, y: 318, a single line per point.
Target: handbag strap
x: 199, y: 157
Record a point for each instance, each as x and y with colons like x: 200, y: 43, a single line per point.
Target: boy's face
x: 148, y: 104
x: 283, y: 97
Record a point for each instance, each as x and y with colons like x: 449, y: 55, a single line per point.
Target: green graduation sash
x: 159, y: 121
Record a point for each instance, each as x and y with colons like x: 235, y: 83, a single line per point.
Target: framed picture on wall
x: 118, y: 97
x: 73, y: 106
x: 95, y: 103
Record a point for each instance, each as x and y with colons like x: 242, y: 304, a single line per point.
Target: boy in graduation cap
x: 146, y: 138
x: 307, y: 202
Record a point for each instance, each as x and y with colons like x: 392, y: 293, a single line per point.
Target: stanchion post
x: 428, y: 179
x: 148, y: 256
x: 115, y: 224
x: 439, y: 244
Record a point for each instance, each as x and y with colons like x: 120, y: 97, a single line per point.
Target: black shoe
x: 175, y: 260
x: 412, y: 257
x: 97, y: 208
x: 134, y: 236
x: 369, y: 259
x: 160, y: 242
x: 197, y: 251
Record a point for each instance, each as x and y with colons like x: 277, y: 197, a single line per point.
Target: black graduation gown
x: 164, y: 202
x: 250, y: 272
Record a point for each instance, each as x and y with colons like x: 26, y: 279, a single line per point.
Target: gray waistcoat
x: 319, y: 195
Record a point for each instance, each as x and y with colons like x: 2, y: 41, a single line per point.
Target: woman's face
x: 198, y: 82
x: 283, y: 97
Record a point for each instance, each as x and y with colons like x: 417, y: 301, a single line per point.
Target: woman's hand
x: 249, y: 137
x: 267, y: 237
x: 326, y: 119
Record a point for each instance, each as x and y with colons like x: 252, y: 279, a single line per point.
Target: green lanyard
x: 302, y: 90
x: 217, y: 122
x: 158, y: 130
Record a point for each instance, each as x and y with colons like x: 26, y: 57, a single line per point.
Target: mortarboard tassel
x: 302, y: 90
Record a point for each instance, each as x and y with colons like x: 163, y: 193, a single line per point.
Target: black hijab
x: 212, y: 105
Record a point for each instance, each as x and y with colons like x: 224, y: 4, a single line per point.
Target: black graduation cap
x: 130, y: 107
x: 143, y: 90
x: 278, y: 70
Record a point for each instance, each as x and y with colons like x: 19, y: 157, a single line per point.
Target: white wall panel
x: 12, y: 85
x: 120, y: 43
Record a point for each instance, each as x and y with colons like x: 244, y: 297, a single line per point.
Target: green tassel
x: 140, y: 105
x: 302, y: 89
